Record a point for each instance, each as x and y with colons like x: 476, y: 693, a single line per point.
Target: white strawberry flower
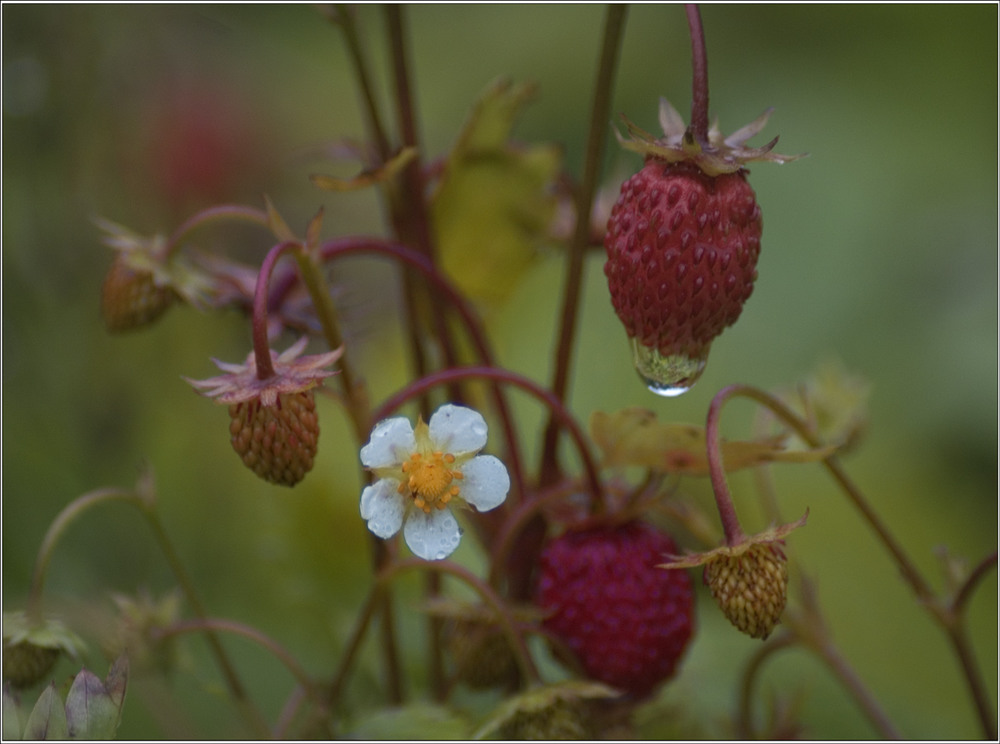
x: 422, y: 471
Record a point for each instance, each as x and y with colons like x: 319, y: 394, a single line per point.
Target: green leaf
x: 495, y: 201
x: 634, y: 436
x: 48, y: 717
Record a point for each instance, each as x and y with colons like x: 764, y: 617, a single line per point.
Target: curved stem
x: 699, y: 74
x: 948, y: 620
x: 145, y: 502
x: 69, y: 514
x: 558, y: 410
x: 723, y: 499
x: 962, y: 646
x: 832, y: 464
x: 261, y: 344
x: 234, y: 212
x: 614, y: 24
x: 744, y: 716
x: 972, y: 581
x: 230, y: 626
x: 236, y: 688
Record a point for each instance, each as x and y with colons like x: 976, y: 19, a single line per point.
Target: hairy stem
x: 614, y: 24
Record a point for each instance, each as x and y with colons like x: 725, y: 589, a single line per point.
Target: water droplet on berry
x: 668, y: 375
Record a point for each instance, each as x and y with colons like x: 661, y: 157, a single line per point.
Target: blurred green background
x: 879, y: 250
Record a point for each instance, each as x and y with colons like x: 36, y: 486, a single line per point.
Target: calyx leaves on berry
x: 720, y: 154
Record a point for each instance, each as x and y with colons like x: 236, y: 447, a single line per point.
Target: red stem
x: 723, y: 499
x: 261, y: 346
x: 699, y: 74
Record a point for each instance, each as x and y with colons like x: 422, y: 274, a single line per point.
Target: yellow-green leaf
x: 495, y: 201
x: 634, y: 436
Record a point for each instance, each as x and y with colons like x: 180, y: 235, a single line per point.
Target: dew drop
x: 668, y: 375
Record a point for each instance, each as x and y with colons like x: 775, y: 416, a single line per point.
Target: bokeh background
x: 880, y: 251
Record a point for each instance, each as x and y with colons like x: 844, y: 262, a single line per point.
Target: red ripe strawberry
x: 682, y: 245
x: 628, y: 621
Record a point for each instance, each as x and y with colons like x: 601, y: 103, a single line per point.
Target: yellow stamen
x: 430, y: 480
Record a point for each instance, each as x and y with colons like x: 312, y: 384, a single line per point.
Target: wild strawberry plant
x: 576, y: 607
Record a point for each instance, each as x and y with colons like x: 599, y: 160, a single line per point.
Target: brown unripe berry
x: 751, y: 587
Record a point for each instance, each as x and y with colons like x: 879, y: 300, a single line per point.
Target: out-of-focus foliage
x: 880, y: 249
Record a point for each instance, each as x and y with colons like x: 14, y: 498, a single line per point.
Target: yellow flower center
x: 430, y: 479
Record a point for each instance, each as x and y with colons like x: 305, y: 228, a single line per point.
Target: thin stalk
x: 232, y: 212
x: 614, y: 24
x: 699, y: 76
x: 717, y: 472
x: 343, y: 17
x: 832, y: 464
x: 744, y: 717
x: 69, y: 514
x: 236, y: 688
x: 146, y: 505
x: 949, y: 622
x: 312, y: 276
x: 261, y: 343
x: 222, y: 625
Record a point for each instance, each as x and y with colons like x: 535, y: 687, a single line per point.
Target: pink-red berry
x: 628, y: 621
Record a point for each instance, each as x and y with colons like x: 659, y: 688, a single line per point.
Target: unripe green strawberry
x: 682, y: 246
x: 277, y: 442
x: 750, y: 587
x: 130, y: 298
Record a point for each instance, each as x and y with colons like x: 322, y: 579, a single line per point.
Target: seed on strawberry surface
x: 277, y: 442
x: 628, y: 621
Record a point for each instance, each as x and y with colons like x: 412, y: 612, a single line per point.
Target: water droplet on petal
x: 668, y: 375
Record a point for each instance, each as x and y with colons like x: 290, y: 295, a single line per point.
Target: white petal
x: 485, y: 482
x: 391, y: 443
x: 382, y: 506
x: 432, y: 536
x: 457, y: 429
